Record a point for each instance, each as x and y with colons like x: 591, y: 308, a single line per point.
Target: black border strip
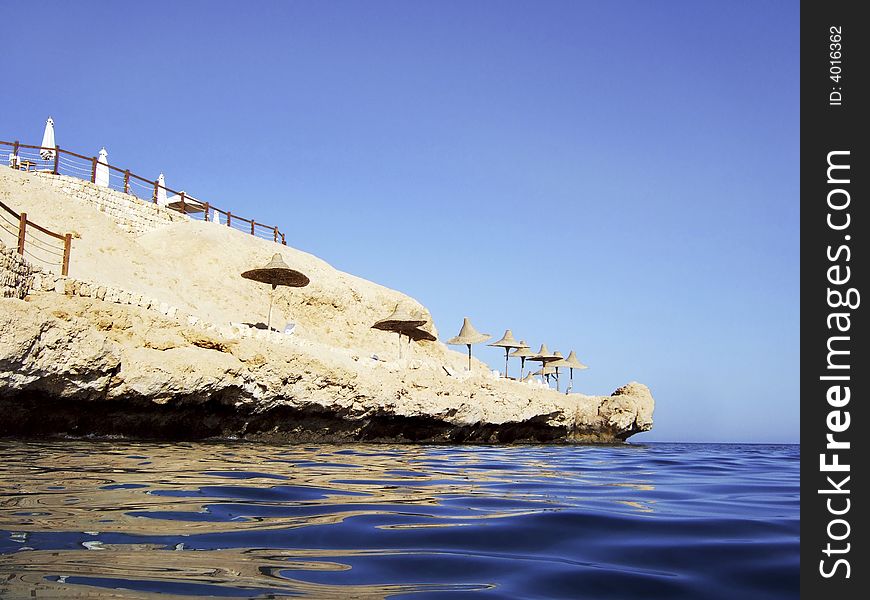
x: 834, y: 265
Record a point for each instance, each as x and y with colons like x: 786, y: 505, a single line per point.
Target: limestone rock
x: 154, y: 333
x: 163, y: 373
x: 62, y: 357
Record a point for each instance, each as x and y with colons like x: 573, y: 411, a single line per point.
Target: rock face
x: 81, y: 366
x: 16, y: 274
x: 147, y: 338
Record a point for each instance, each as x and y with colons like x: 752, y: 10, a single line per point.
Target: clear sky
x: 616, y: 178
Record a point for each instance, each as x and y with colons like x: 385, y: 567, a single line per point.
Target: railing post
x: 67, y: 246
x: 22, y: 227
x: 207, y: 209
x: 15, y: 162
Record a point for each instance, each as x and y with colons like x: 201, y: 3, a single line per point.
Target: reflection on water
x: 138, y: 520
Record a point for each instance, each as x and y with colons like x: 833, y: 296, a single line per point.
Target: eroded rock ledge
x: 149, y: 337
x: 82, y: 366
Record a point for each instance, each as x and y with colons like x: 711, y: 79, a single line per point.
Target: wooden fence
x: 64, y: 162
x: 36, y: 242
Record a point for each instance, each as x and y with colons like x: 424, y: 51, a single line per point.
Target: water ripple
x: 130, y: 520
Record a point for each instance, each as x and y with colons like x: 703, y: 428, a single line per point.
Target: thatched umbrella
x: 468, y: 335
x: 555, y: 364
x: 417, y: 335
x: 401, y: 321
x: 507, y: 342
x: 543, y: 356
x: 572, y: 363
x: 546, y: 371
x: 523, y: 352
x: 276, y: 272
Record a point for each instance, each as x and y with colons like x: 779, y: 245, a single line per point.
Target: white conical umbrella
x: 161, y: 191
x: 48, y: 141
x: 101, y: 175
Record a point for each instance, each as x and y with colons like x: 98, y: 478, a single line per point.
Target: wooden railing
x: 64, y: 162
x: 31, y: 242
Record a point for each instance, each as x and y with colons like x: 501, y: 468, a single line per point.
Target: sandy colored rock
x: 44, y: 350
x: 159, y: 325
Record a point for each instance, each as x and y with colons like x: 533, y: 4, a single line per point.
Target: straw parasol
x: 48, y: 145
x: 276, y: 272
x: 523, y: 352
x: 571, y: 363
x: 555, y: 364
x: 543, y: 356
x: 468, y: 335
x: 400, y: 320
x: 546, y: 371
x: 507, y: 342
x: 419, y: 335
x: 101, y: 174
x: 403, y: 322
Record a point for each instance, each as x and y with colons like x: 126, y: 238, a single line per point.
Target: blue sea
x: 121, y: 519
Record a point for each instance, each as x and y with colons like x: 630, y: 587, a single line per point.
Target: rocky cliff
x: 147, y: 338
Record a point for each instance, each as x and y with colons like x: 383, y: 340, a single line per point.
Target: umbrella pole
x: 557, y: 379
x: 522, y: 366
x: 506, y: 350
x: 571, y: 382
x: 269, y: 318
x: 469, y: 356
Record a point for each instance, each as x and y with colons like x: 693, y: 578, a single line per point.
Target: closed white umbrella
x: 161, y: 191
x: 101, y: 175
x: 48, y: 141
x: 215, y: 217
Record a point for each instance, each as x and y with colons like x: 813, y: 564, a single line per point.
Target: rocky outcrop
x: 16, y: 274
x: 154, y: 334
x: 83, y: 366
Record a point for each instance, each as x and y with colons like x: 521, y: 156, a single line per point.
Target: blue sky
x: 618, y: 178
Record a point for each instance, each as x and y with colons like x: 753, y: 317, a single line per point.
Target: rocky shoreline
x: 140, y: 344
x: 79, y: 366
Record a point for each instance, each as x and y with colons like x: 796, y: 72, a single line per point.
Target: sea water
x: 127, y: 519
